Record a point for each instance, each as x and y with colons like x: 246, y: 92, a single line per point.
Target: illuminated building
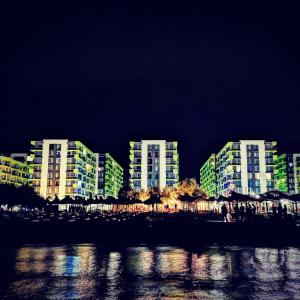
x: 153, y: 163
x: 287, y: 173
x: 14, y: 169
x: 110, y: 176
x: 281, y: 173
x: 246, y: 167
x: 63, y: 167
x: 208, y: 176
x: 296, y: 167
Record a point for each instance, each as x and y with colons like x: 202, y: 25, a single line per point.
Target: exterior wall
x: 228, y: 169
x: 281, y: 173
x: 287, y: 173
x: 296, y: 165
x: 246, y: 167
x: 13, y: 171
x: 110, y: 176
x: 208, y: 176
x: 62, y: 167
x: 153, y: 163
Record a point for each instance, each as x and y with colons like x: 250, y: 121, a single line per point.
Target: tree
x: 169, y: 193
x: 127, y: 192
x: 24, y: 196
x: 144, y: 194
x: 190, y: 186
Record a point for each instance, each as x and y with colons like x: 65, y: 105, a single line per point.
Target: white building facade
x: 62, y: 167
x: 153, y: 164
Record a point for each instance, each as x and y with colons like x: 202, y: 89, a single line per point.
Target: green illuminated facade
x: 287, y: 173
x: 208, y: 177
x: 63, y: 167
x: 110, y: 176
x: 296, y: 165
x: 246, y: 167
x: 14, y: 170
x: 281, y: 173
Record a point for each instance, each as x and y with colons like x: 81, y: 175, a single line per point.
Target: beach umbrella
x: 295, y: 197
x: 111, y: 201
x: 67, y: 200
x: 56, y: 201
x: 188, y: 199
x: 234, y: 196
x: 80, y: 201
x: 222, y: 198
x: 99, y: 200
x: 154, y: 200
x: 275, y: 195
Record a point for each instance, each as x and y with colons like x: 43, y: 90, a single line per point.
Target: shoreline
x: 190, y: 232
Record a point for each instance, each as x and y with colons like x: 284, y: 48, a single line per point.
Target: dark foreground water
x: 89, y: 271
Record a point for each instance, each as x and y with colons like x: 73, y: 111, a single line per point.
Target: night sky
x: 106, y: 75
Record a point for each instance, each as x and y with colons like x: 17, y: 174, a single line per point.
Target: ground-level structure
x: 153, y: 164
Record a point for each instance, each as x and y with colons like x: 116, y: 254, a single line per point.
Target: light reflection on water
x: 88, y: 271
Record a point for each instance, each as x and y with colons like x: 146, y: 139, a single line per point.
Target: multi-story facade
x: 153, y: 163
x: 63, y: 167
x: 14, y: 169
x: 296, y: 166
x: 246, y: 167
x: 281, y: 173
x: 287, y: 173
x: 110, y: 176
x: 208, y: 177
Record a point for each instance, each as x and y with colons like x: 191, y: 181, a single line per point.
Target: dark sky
x: 107, y: 75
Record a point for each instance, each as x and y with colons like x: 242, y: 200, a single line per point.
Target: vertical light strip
x: 244, y: 168
x: 44, y: 169
x: 162, y: 165
x: 144, y: 165
x: 63, y: 168
x: 96, y: 173
x: 262, y: 166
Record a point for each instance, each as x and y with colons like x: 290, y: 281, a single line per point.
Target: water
x: 89, y: 271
